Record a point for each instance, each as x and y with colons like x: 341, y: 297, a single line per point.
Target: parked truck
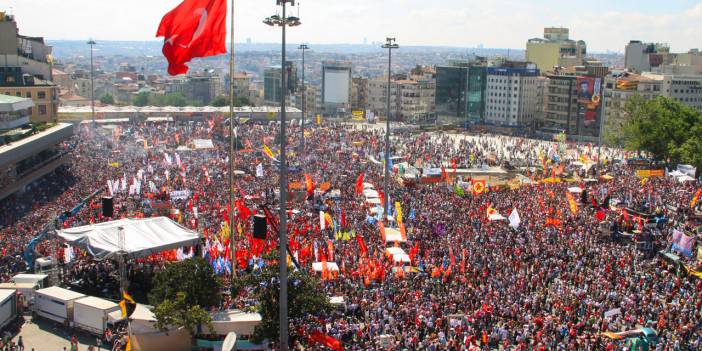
x: 93, y: 314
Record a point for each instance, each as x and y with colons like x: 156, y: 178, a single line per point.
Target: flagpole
x: 232, y: 275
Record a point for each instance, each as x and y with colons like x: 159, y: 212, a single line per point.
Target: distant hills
x: 72, y: 48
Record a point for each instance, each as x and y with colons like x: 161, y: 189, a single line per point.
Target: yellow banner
x: 268, y: 151
x: 398, y: 209
x: 319, y: 120
x: 650, y: 173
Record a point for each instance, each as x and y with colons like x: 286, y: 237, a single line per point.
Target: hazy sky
x: 603, y: 24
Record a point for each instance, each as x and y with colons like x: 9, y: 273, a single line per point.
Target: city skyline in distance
x: 604, y: 25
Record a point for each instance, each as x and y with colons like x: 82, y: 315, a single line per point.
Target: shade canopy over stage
x: 142, y: 237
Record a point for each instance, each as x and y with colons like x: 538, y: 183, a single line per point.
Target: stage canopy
x: 142, y: 237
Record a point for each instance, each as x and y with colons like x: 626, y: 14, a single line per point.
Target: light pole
x: 389, y: 44
x: 92, y: 42
x: 232, y: 249
x: 283, y: 21
x: 303, y: 47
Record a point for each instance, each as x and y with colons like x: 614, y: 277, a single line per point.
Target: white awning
x: 142, y: 237
x: 393, y: 235
x: 319, y: 266
x: 398, y: 254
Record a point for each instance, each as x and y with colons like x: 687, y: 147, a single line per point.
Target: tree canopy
x: 664, y: 127
x: 170, y: 99
x: 194, y: 277
x: 239, y: 101
x: 305, y: 297
x: 178, y: 313
x: 107, y: 99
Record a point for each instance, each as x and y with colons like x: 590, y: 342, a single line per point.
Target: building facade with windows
x: 512, y: 95
x: 25, y: 70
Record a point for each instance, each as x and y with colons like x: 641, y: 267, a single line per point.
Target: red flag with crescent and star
x: 195, y: 28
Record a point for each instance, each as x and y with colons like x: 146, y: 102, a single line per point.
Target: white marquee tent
x: 142, y: 237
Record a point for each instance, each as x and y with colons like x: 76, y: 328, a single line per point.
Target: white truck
x: 26, y: 289
x: 93, y: 314
x: 56, y: 304
x: 8, y: 307
x: 41, y: 280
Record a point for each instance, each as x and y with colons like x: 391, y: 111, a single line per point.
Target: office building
x: 410, y: 100
x: 241, y: 83
x: 511, y: 95
x: 272, y: 85
x: 572, y: 104
x: 336, y: 86
x: 555, y: 49
x: 451, y: 94
x: 25, y: 70
x: 460, y: 92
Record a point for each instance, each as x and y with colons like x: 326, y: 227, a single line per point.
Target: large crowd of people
x: 553, y: 282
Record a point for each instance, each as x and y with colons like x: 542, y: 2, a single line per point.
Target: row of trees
x: 175, y: 99
x: 667, y: 129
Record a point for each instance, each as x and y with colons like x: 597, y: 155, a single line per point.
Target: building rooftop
x: 9, y: 103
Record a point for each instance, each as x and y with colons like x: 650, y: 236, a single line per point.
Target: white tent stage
x: 142, y: 237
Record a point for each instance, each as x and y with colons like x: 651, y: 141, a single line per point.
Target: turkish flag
x: 195, y: 28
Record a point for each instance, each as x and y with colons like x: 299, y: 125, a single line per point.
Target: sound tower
x: 107, y: 206
x: 260, y: 227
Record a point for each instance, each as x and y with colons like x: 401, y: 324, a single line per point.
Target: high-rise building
x: 512, y: 95
x: 572, y: 104
x: 272, y: 86
x: 555, y: 49
x: 451, y: 93
x: 642, y: 57
x: 25, y: 70
x: 241, y: 83
x: 203, y: 88
x: 412, y: 99
x: 460, y: 91
x: 336, y: 86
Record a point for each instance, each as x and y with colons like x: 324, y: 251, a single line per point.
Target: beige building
x: 241, y: 82
x: 617, y: 91
x: 555, y: 49
x: 359, y: 93
x: 25, y: 70
x: 410, y: 100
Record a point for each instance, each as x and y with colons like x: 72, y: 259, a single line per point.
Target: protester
x: 477, y: 283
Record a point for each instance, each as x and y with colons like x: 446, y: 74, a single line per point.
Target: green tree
x: 178, y: 313
x: 194, y: 277
x: 142, y: 99
x: 664, y: 127
x: 239, y: 101
x: 107, y: 99
x: 220, y: 101
x: 305, y: 297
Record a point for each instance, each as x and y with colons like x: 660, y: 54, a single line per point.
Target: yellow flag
x: 398, y: 210
x: 319, y: 120
x: 268, y: 151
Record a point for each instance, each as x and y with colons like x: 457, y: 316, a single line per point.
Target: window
x: 41, y: 95
x: 42, y: 109
x: 29, y: 95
